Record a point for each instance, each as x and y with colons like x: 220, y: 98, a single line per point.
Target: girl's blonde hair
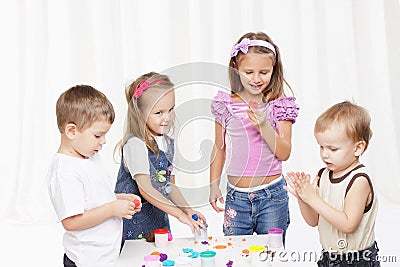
x: 136, y: 122
x: 353, y: 118
x: 275, y: 88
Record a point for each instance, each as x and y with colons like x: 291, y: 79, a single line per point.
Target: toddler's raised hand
x: 304, y: 188
x: 290, y: 177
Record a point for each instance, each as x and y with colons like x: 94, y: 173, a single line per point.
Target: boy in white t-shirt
x: 80, y: 189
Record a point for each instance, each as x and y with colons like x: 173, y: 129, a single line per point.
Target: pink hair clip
x: 143, y: 86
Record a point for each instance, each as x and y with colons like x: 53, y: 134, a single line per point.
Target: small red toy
x: 253, y: 104
x: 137, y: 203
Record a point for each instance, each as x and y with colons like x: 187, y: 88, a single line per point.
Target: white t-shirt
x: 76, y: 185
x: 136, y: 155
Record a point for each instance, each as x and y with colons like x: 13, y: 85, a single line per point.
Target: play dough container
x: 161, y: 237
x: 152, y: 260
x: 255, y: 256
x: 208, y: 258
x: 275, y: 237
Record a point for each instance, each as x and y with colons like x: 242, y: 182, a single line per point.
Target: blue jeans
x: 256, y: 212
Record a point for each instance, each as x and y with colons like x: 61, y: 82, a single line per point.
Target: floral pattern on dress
x: 230, y: 214
x: 160, y: 176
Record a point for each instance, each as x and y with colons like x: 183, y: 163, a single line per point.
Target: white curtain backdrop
x: 332, y: 51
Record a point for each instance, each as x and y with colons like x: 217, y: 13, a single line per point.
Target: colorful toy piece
x: 136, y: 202
x: 170, y: 236
x: 194, y: 254
x: 253, y: 104
x: 168, y: 263
x: 163, y: 257
x: 187, y: 250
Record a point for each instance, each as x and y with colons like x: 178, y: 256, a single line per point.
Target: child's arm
x: 117, y: 208
x: 309, y: 214
x: 346, y: 220
x: 279, y: 143
x: 157, y: 199
x: 216, y: 166
x: 177, y: 197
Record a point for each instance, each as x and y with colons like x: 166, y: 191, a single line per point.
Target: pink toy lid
x: 151, y: 257
x: 275, y: 231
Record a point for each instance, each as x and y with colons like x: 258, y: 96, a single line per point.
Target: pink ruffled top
x: 247, y: 153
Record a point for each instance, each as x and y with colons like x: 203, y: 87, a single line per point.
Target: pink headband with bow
x: 143, y: 86
x: 246, y: 42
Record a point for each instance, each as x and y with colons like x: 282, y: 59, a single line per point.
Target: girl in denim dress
x: 253, y: 129
x: 147, y: 159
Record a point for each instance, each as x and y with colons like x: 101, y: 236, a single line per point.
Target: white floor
x: 40, y: 244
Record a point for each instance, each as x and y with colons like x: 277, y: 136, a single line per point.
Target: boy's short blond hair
x: 83, y: 105
x: 353, y: 118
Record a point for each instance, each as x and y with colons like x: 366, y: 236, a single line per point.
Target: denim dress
x: 150, y: 217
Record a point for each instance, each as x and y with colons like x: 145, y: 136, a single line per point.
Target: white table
x: 134, y: 250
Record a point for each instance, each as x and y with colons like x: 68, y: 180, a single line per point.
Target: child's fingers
x: 251, y: 116
x: 297, y: 185
x: 289, y: 179
x: 253, y: 104
x: 303, y: 178
x: 201, y: 217
x: 137, y: 203
x: 215, y: 206
x: 199, y: 224
x: 127, y: 216
x: 315, y: 182
x: 290, y: 190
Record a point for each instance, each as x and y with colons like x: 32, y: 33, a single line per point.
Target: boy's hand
x: 123, y: 208
x: 131, y: 197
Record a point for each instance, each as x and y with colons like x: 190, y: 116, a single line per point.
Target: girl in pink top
x: 253, y: 128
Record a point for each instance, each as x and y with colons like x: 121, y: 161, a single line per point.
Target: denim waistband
x: 255, y: 188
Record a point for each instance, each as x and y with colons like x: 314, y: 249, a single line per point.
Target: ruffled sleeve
x: 219, y: 107
x: 282, y: 109
x: 285, y: 109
